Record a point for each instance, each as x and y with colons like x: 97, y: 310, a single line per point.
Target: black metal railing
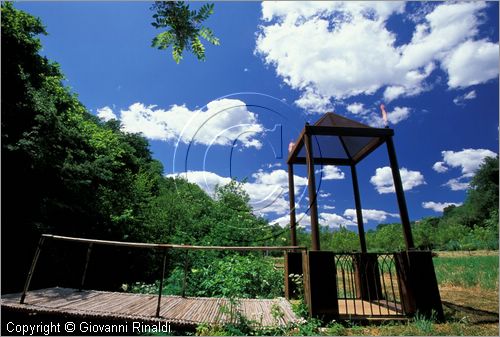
x: 368, y: 285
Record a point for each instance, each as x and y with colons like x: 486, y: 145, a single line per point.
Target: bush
x: 239, y: 276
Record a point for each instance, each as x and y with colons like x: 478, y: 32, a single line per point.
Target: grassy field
x: 468, y: 285
x: 467, y: 271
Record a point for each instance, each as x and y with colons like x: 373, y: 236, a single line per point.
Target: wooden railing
x: 164, y: 247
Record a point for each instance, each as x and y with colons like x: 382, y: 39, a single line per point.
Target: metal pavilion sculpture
x: 352, y: 285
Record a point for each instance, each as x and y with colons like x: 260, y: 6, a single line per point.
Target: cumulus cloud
x: 333, y: 220
x: 106, y: 114
x: 267, y: 190
x: 370, y: 214
x: 331, y: 172
x: 334, y: 50
x: 383, y: 181
x: 473, y: 62
x: 438, y: 206
x: 221, y: 123
x: 356, y: 108
x: 392, y: 92
x: 467, y: 160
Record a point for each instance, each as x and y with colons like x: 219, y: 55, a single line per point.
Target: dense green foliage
x: 231, y: 276
x: 65, y: 172
x: 184, y: 28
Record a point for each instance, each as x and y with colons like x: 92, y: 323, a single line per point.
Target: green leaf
x: 185, y: 28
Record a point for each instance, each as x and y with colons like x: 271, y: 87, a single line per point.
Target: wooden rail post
x: 89, y: 250
x: 32, y: 269
x: 160, y: 290
x: 184, y: 281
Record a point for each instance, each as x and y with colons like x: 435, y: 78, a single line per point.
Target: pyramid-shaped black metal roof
x: 337, y: 140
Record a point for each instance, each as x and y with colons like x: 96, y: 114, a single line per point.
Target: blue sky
x: 433, y: 65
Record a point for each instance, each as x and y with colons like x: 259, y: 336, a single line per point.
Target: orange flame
x: 384, y: 114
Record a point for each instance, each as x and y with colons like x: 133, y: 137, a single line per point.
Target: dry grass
x: 468, y: 253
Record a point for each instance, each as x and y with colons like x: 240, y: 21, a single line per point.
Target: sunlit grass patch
x: 467, y: 271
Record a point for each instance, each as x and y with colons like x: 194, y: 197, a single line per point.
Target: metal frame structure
x: 355, y: 279
x: 349, y: 131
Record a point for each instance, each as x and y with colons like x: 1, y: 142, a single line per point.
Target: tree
x: 184, y: 28
x: 483, y: 194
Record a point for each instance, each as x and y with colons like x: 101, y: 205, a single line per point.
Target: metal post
x: 313, y: 207
x: 359, y: 212
x: 32, y: 269
x: 160, y: 290
x: 89, y: 250
x: 291, y: 197
x: 403, y: 210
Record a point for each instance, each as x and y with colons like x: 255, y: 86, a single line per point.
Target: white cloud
x: 468, y: 160
x: 460, y: 100
x: 312, y: 102
x: 398, y: 114
x: 220, y: 123
x: 303, y: 220
x: 439, y: 167
x: 106, y: 114
x: 328, y: 207
x: 333, y: 50
x: 324, y: 195
x: 356, y: 108
x: 330, y: 220
x: 374, y: 117
x: 473, y: 62
x: 331, y: 172
x: 438, y: 206
x: 333, y: 220
x: 470, y: 95
x: 278, y: 178
x: 392, y: 92
x: 383, y: 181
x: 457, y: 184
x: 370, y: 214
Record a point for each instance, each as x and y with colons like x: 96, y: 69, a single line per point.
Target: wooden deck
x: 177, y: 310
x: 140, y: 307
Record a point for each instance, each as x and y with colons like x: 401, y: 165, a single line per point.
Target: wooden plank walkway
x: 357, y: 308
x: 142, y: 307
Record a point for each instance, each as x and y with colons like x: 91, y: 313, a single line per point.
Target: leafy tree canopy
x: 184, y: 28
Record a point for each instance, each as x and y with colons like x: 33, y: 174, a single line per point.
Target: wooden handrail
x: 171, y: 246
x: 160, y: 246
